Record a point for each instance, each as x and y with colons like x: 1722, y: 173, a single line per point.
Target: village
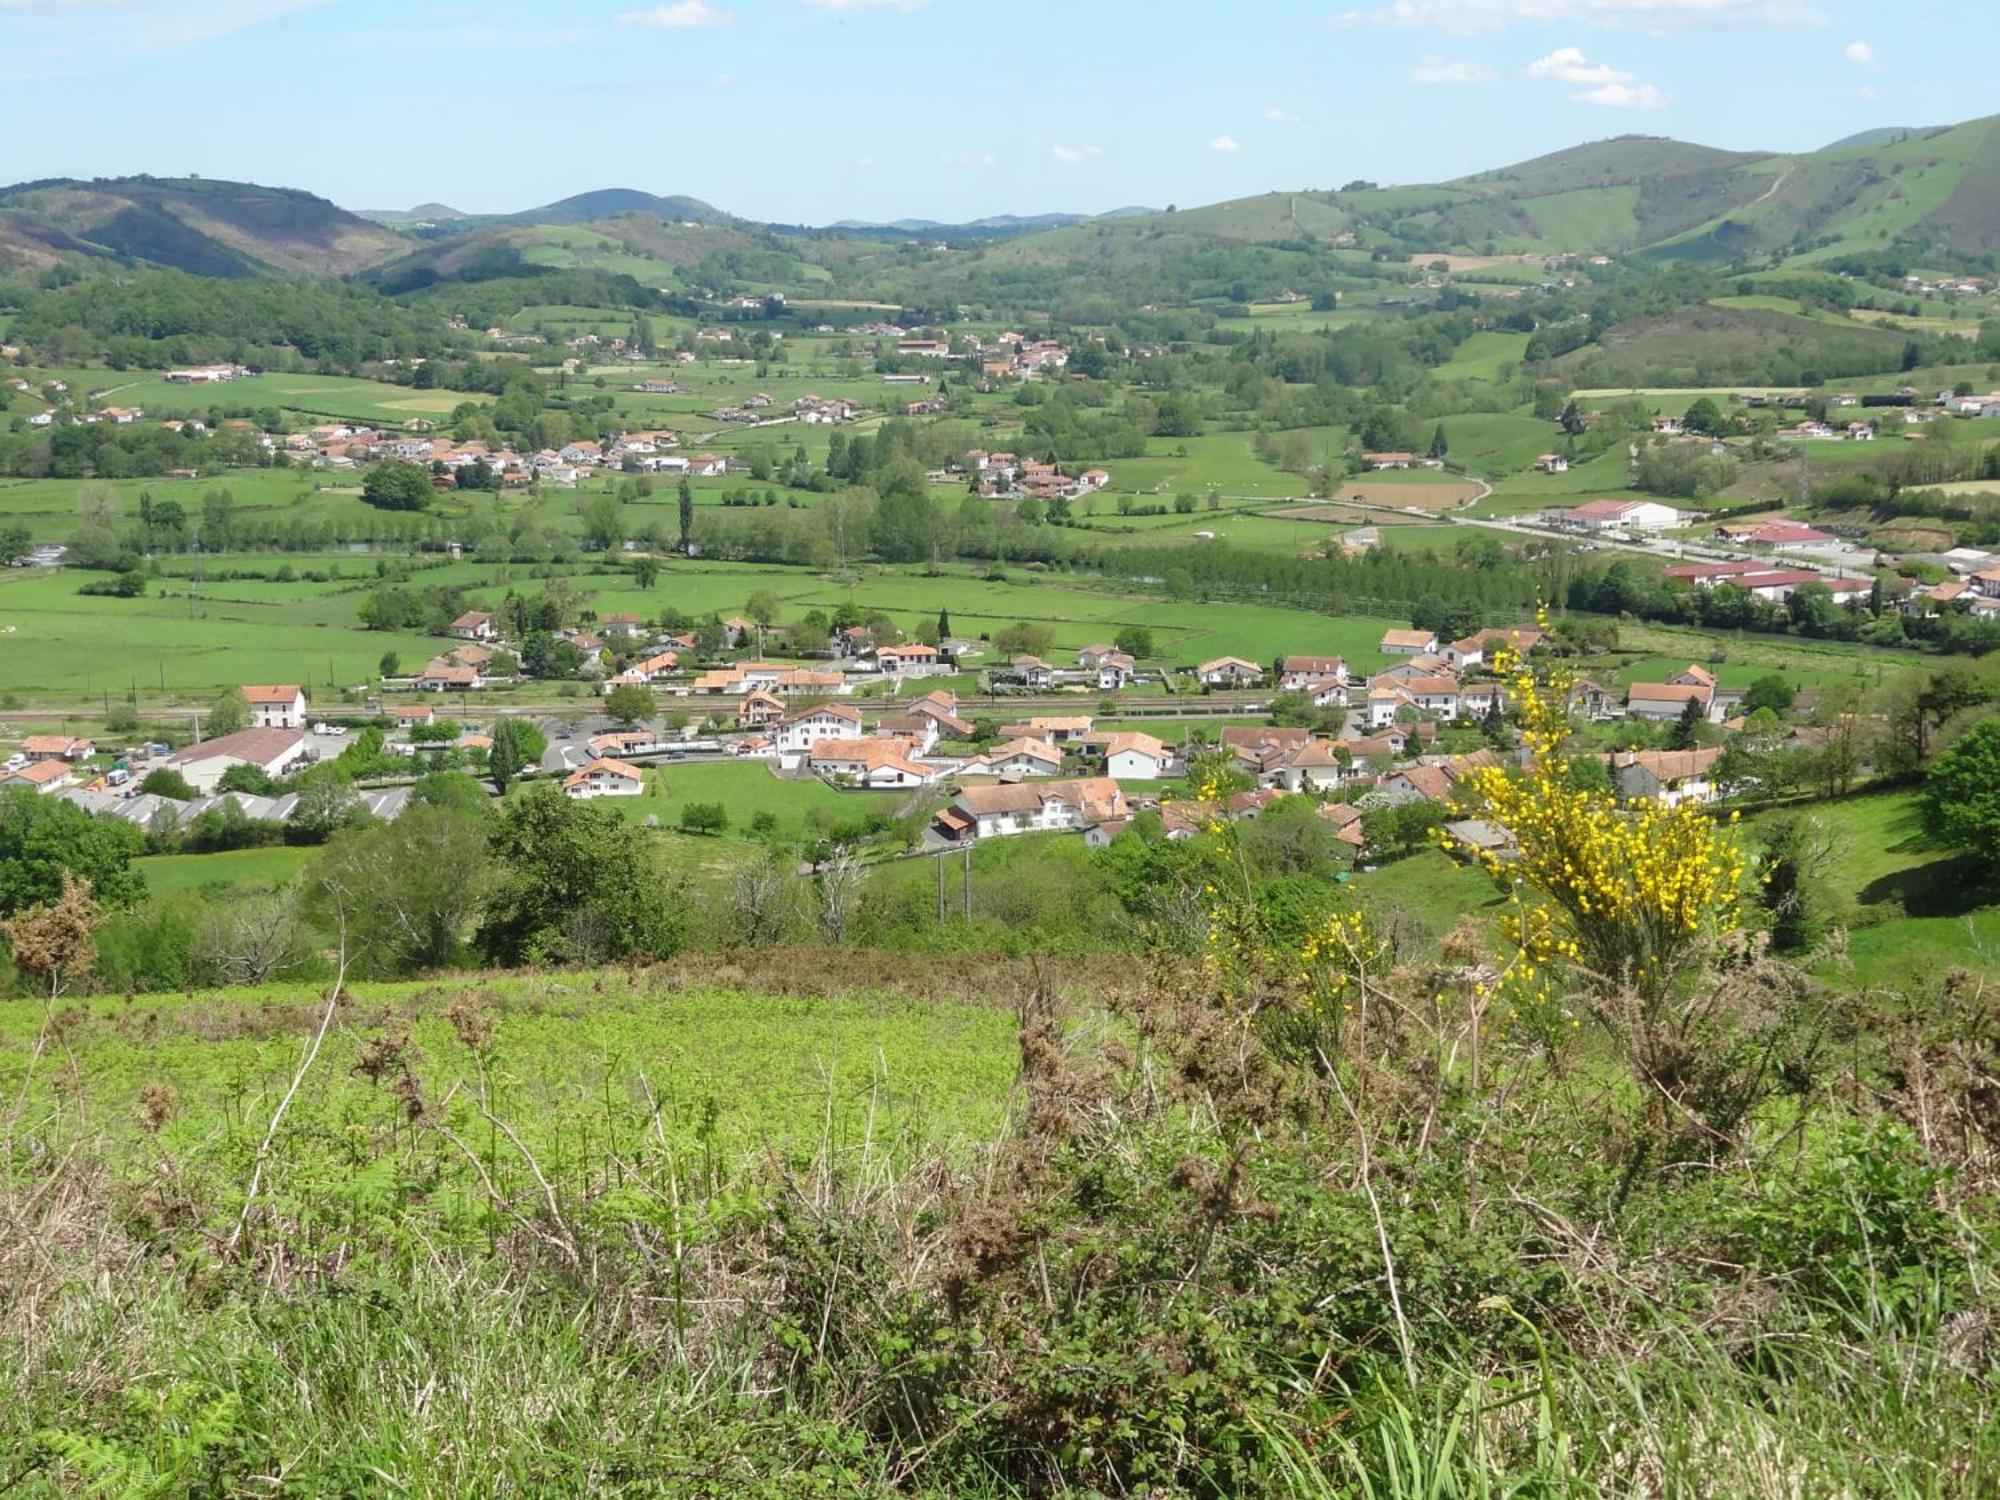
x: 1083, y: 753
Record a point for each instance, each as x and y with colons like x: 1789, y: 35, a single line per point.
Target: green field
x: 242, y: 869
x: 1913, y: 910
x: 747, y: 788
x: 737, y: 1076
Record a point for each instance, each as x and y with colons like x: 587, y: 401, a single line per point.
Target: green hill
x: 190, y: 224
x: 1632, y: 196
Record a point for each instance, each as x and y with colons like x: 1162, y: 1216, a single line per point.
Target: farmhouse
x: 1229, y: 672
x: 475, y: 625
x: 278, y: 706
x: 272, y: 751
x: 604, y: 777
x: 1409, y: 642
x: 981, y: 812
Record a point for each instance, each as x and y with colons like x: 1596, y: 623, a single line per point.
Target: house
x: 1302, y: 673
x: 1417, y: 784
x: 41, y: 747
x: 280, y: 706
x: 760, y: 708
x: 1034, y: 672
x: 981, y: 812
x: 1229, y: 672
x: 1409, y: 642
x: 444, y: 677
x: 622, y: 627
x: 914, y: 660
x: 798, y: 733
x: 1018, y: 758
x: 1114, y: 671
x: 1316, y: 766
x: 1618, y: 515
x: 1136, y: 757
x: 1389, y: 460
x: 1055, y: 730
x: 409, y: 715
x: 878, y: 763
x: 647, y: 670
x: 624, y: 742
x: 942, y: 709
x: 707, y: 466
x: 604, y: 777
x: 917, y: 731
x: 1346, y: 820
x: 1254, y: 744
x: 1552, y: 463
x: 1668, y: 700
x: 272, y: 751
x: 1666, y: 776
x: 475, y: 625
x: 40, y: 776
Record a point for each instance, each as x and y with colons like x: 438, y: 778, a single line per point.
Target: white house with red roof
x: 276, y: 705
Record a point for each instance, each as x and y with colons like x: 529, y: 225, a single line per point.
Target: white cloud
x: 1623, y: 96
x: 984, y: 159
x: 1225, y: 143
x: 1075, y: 156
x: 1468, y: 16
x: 1446, y: 70
x: 723, y: 81
x: 1869, y: 92
x: 1569, y: 65
x: 847, y: 7
x: 682, y: 15
x: 1278, y: 115
x: 1860, y: 52
x: 864, y: 162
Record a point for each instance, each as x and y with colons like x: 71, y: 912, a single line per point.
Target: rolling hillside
x: 211, y: 228
x: 1633, y: 196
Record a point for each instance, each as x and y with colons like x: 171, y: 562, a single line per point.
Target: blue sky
x: 816, y: 110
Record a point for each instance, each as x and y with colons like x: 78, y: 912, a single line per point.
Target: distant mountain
x: 190, y: 224
x: 992, y: 226
x: 406, y: 218
x: 611, y: 203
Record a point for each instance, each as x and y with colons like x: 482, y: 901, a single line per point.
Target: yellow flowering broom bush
x: 1624, y: 893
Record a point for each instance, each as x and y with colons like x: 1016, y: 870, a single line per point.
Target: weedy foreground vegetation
x: 1638, y: 1209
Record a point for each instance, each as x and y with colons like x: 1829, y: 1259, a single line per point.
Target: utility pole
x: 940, y: 874
x: 968, y: 882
